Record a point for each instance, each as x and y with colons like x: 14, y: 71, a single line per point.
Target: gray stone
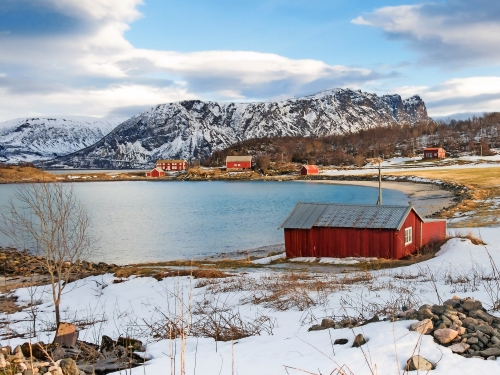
x: 418, y: 362
x: 484, y: 329
x: 480, y: 314
x: 490, y: 351
x: 438, y: 309
x: 446, y: 321
x: 359, y: 340
x: 472, y: 340
x: 426, y: 314
x: 459, y: 348
x: 58, y: 353
x: 470, y: 305
x: 495, y: 340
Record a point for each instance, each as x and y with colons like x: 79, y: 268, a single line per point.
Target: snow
x: 268, y: 260
x: 137, y: 299
x: 41, y: 138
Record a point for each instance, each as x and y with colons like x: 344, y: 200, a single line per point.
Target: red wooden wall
x: 353, y: 242
x: 241, y: 165
x: 433, y: 231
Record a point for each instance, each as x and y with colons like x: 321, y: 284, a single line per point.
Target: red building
x: 238, y: 162
x: 172, y: 165
x: 156, y: 172
x: 434, y: 153
x: 309, y: 169
x: 348, y: 230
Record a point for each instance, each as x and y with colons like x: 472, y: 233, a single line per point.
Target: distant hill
x: 195, y: 129
x: 41, y: 138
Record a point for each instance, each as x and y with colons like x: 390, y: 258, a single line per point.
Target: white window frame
x: 408, y: 236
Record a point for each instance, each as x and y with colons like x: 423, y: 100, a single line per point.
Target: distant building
x: 309, y: 169
x: 352, y: 230
x: 238, y: 162
x: 156, y: 172
x: 172, y: 165
x: 434, y: 153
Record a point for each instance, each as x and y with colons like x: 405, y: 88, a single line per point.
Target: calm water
x: 140, y: 221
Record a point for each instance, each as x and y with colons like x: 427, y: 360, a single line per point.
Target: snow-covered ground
x: 125, y: 307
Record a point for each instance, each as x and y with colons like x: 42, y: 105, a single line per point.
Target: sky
x: 119, y: 57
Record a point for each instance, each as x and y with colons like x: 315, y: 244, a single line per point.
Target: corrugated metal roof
x: 238, y: 158
x: 170, y: 161
x: 308, y: 215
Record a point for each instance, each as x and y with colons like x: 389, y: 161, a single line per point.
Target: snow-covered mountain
x: 193, y: 129
x: 41, y: 138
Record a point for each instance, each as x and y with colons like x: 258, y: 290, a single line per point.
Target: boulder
x: 418, y: 362
x: 359, y: 340
x: 445, y: 335
x: 480, y: 314
x: 340, y: 342
x: 423, y: 327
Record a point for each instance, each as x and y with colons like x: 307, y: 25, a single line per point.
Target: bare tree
x: 50, y: 221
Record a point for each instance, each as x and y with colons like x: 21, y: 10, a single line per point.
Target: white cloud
x: 97, y: 65
x: 453, y: 32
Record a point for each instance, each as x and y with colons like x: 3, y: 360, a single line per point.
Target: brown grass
x: 471, y: 237
x: 483, y: 185
x: 11, y: 174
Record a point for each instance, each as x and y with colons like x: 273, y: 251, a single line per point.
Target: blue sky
x: 118, y: 57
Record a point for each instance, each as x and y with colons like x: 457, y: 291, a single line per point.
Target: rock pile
x: 22, y: 263
x: 463, y: 325
x: 83, y: 359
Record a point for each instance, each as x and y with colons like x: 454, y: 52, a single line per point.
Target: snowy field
x: 284, y: 345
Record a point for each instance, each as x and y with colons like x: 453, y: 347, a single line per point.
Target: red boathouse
x: 309, y: 169
x: 434, y: 153
x: 156, y: 172
x: 349, y: 230
x: 238, y: 162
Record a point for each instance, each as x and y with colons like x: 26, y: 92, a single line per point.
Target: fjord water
x: 164, y: 220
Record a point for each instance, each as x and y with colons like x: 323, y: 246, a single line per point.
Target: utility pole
x: 379, y: 201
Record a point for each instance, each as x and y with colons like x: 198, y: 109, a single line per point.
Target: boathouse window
x: 408, y: 236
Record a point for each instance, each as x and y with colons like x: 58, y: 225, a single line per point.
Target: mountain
x: 42, y: 138
x: 194, y: 129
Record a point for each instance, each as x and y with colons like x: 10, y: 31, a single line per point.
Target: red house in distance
x: 172, y: 165
x: 238, y: 162
x: 350, y: 230
x: 309, y: 169
x: 434, y: 153
x: 156, y: 172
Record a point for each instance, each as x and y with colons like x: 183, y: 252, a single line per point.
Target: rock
x: 492, y: 358
x: 68, y: 367
x: 489, y: 352
x: 406, y: 313
x: 37, y: 350
x: 459, y: 348
x: 57, y: 353
x: 418, y: 362
x: 136, y: 345
x: 374, y: 319
x: 359, y: 340
x: 316, y: 327
x: 480, y: 314
x: 340, y: 342
x: 108, y: 344
x: 446, y: 335
x: 484, y: 328
x: 469, y: 322
x: 446, y: 321
x: 495, y: 340
x: 28, y: 372
x: 426, y: 314
x: 326, y: 322
x: 423, y: 327
x: 470, y: 305
x: 87, y: 369
x: 66, y: 335
x: 438, y: 310
x: 3, y: 362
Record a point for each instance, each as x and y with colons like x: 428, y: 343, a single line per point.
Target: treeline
x: 473, y: 136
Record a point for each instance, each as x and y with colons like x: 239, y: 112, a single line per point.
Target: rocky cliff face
x: 193, y: 129
x: 41, y: 138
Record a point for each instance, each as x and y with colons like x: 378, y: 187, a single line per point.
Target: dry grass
x: 11, y: 174
x: 475, y: 240
x: 483, y: 185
